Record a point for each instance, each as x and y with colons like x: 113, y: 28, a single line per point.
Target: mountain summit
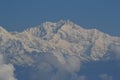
x: 64, y: 45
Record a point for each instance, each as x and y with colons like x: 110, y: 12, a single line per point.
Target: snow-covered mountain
x: 62, y: 46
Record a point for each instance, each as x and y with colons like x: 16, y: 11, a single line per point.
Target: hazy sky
x: 102, y: 14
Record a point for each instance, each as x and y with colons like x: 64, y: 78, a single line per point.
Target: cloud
x: 105, y: 77
x: 51, y: 68
x: 82, y: 78
x: 115, y: 49
x: 6, y: 70
x: 72, y: 63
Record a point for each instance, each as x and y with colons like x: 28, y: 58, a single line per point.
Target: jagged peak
x: 48, y: 29
x: 53, y: 25
x: 60, y: 22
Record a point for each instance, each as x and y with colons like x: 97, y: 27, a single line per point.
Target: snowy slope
x: 63, y: 43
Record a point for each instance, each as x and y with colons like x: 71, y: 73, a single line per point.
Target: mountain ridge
x: 63, y: 35
x: 61, y: 47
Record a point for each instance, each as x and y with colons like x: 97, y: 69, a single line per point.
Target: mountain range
x: 61, y: 51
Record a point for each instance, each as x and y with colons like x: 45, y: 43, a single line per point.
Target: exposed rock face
x: 64, y: 46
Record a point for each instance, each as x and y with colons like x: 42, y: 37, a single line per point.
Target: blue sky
x: 101, y: 14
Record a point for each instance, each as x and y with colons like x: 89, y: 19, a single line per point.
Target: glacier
x: 61, y: 51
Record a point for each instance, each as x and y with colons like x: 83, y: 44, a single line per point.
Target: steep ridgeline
x: 64, y: 45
